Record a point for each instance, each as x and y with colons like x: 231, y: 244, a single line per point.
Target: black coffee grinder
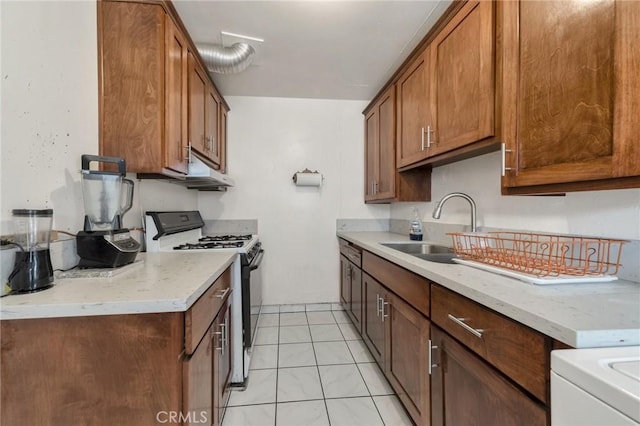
x: 32, y: 270
x: 104, y: 243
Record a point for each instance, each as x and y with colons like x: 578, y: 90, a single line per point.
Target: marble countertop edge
x: 547, y: 309
x: 168, y: 282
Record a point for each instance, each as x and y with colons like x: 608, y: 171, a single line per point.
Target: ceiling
x: 313, y: 49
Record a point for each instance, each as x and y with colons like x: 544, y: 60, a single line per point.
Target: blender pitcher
x: 104, y: 201
x: 32, y: 270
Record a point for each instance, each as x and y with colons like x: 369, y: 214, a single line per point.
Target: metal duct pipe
x: 226, y: 60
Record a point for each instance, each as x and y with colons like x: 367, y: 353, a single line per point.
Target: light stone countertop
x: 580, y: 315
x: 165, y: 282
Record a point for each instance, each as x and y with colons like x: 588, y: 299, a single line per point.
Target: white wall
x: 613, y: 214
x: 269, y: 140
x: 49, y: 91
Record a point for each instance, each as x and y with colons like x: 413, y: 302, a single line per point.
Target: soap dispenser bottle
x: 415, y: 232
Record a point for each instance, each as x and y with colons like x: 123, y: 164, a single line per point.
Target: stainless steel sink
x: 426, y: 251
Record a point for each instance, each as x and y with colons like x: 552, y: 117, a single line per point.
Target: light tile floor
x: 311, y: 368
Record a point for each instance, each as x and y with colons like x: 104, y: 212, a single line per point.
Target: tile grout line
x: 363, y: 379
x: 275, y: 405
x: 324, y: 398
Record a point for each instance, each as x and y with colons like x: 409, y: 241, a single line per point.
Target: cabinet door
x: 407, y: 357
x: 222, y: 361
x: 386, y: 167
x: 571, y: 70
x: 373, y: 295
x: 212, y: 148
x: 356, y: 297
x: 345, y: 282
x: 132, y: 78
x: 371, y: 159
x: 176, y: 99
x: 466, y: 391
x: 198, y: 377
x: 197, y: 106
x: 414, y: 112
x: 462, y: 78
x: 222, y: 139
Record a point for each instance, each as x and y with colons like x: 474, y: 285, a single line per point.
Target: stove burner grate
x: 210, y: 245
x: 225, y: 238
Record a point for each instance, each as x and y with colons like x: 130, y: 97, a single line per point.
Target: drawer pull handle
x: 461, y: 322
x: 223, y: 293
x: 378, y: 299
x: 432, y: 365
x: 382, y: 310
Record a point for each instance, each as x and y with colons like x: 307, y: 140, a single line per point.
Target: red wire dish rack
x: 542, y: 255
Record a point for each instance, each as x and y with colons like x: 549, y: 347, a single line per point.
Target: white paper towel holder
x: 315, y: 181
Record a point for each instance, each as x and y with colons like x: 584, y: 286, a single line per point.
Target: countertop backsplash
x: 220, y: 227
x: 363, y: 225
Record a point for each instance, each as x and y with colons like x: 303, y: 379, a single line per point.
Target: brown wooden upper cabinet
x: 198, y: 98
x: 204, y: 113
x: 383, y: 183
x: 571, y: 95
x: 143, y: 109
x: 462, y: 89
x: 155, y: 95
x: 222, y: 138
x: 380, y: 167
x: 212, y: 135
x: 414, y: 113
x: 446, y: 95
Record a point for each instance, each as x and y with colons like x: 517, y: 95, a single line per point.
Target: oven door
x: 251, y: 296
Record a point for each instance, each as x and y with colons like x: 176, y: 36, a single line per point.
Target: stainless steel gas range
x: 182, y: 231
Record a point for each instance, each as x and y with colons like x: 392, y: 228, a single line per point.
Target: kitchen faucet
x: 438, y: 209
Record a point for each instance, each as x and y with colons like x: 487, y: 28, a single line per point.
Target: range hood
x: 203, y: 177
x: 200, y: 176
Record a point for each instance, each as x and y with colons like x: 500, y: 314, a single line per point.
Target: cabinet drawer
x: 201, y: 314
x: 413, y: 288
x: 518, y: 351
x: 352, y: 253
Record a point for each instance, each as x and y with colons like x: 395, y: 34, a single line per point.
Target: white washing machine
x: 595, y: 387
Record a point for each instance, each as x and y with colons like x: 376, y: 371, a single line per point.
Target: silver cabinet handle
x: 188, y: 148
x: 382, y: 309
x: 378, y: 299
x: 430, y: 349
x: 504, y: 150
x: 422, y: 134
x: 223, y: 293
x: 221, y: 348
x: 223, y: 337
x: 225, y: 342
x: 461, y: 322
x: 429, y: 141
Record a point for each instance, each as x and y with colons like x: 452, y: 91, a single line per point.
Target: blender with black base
x: 104, y: 243
x: 32, y: 270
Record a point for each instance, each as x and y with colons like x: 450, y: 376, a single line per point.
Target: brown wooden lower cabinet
x: 372, y: 326
x: 351, y: 282
x: 467, y: 391
x: 133, y: 369
x: 406, y: 360
x: 451, y: 377
x: 222, y: 362
x: 397, y: 335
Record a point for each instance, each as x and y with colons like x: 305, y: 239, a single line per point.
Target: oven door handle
x: 255, y: 263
